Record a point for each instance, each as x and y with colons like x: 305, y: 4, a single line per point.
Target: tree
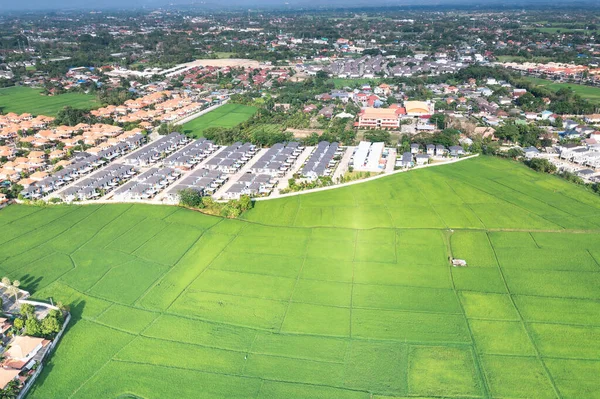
x: 541, y: 165
x: 514, y: 153
x: 378, y: 136
x: 191, y: 198
x: 438, y: 120
x: 50, y: 325
x: 13, y: 289
x: 71, y: 116
x: 19, y: 323
x: 27, y: 311
x: 245, y: 203
x: 33, y: 327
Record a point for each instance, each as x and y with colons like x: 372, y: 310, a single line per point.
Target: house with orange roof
x: 8, y: 375
x: 57, y: 154
x: 8, y: 152
x: 22, y: 349
x: 38, y: 176
x: 9, y: 174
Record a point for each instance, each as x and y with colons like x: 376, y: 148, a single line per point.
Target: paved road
x: 391, y: 161
x: 283, y: 182
x: 343, y: 165
x: 234, y: 177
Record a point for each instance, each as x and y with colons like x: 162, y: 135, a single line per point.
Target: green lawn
x: 346, y: 293
x: 588, y: 92
x: 228, y: 115
x: 27, y: 100
x: 340, y: 82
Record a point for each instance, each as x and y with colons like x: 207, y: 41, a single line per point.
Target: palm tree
x: 6, y: 281
x: 13, y: 289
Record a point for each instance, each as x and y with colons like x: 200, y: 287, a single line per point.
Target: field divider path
x: 289, y: 302
x: 203, y: 270
x: 594, y: 258
x: 162, y: 276
x: 340, y: 387
x: 524, y: 323
x: 37, y: 228
x: 474, y: 352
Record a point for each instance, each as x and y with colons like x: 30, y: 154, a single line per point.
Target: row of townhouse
x: 586, y: 155
x: 323, y: 160
x: 231, y: 158
x: 191, y: 155
x: 204, y: 181
x: 101, y: 183
x: 147, y: 185
x: 251, y: 184
x: 277, y: 160
x: 82, y: 165
x: 156, y: 150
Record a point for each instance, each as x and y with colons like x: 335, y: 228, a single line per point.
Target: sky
x: 41, y: 5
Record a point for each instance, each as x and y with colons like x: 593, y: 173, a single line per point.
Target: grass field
x: 24, y: 99
x: 589, y: 92
x: 228, y: 115
x: 341, y: 82
x: 346, y: 293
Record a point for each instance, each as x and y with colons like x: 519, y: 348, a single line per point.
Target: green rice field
x: 587, y: 92
x: 228, y: 115
x: 20, y: 100
x: 346, y: 293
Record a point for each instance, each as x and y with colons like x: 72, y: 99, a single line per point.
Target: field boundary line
x: 185, y: 289
x: 473, y: 347
x: 122, y: 234
x: 247, y: 376
x: 161, y: 277
x: 525, y: 324
x: 593, y: 257
x: 100, y: 368
x: 99, y: 230
x: 352, y: 283
x: 37, y: 228
x: 289, y: 302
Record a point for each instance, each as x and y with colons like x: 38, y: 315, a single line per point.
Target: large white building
x: 368, y: 157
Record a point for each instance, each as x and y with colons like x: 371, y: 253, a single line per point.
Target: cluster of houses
x: 158, y: 149
x: 231, y: 158
x: 581, y: 159
x: 47, y: 148
x: 101, y: 183
x: 83, y: 164
x: 204, y: 181
x: 417, y: 156
x: 163, y: 106
x: 191, y: 155
x: 323, y: 161
x: 555, y: 70
x: 147, y: 185
x: 387, y: 66
x: 261, y: 177
x: 22, y: 355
